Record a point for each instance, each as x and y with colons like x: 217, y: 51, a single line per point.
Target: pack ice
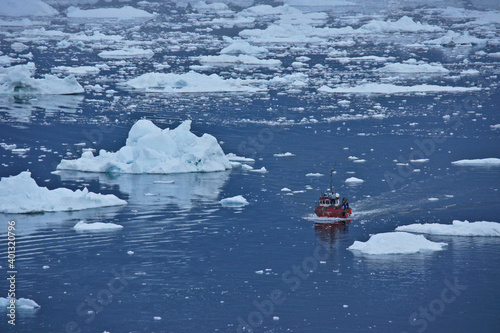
x: 20, y: 194
x: 18, y: 80
x: 149, y: 149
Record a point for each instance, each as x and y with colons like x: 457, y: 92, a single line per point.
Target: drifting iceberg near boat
x: 329, y: 204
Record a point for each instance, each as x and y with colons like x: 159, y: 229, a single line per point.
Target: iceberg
x: 456, y: 39
x: 237, y: 201
x: 404, y: 24
x: 20, y: 195
x: 239, y: 59
x: 18, y: 80
x: 482, y: 162
x: 396, y: 243
x: 238, y: 47
x: 189, y: 83
x: 354, y: 180
x: 82, y: 226
x: 457, y: 228
x: 124, y: 13
x: 149, y: 149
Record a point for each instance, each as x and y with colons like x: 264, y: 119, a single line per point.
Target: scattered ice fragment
x: 130, y: 253
x: 235, y: 158
x: 433, y: 199
x: 259, y: 272
x: 157, y: 318
x: 276, y: 318
x: 261, y: 170
x: 287, y: 154
x: 126, y: 12
x: 354, y: 180
x: 285, y: 189
x: 237, y: 201
x: 21, y: 303
x: 314, y: 174
x: 96, y: 227
x: 46, y: 267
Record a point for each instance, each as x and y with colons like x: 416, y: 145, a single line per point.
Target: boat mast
x: 331, y: 180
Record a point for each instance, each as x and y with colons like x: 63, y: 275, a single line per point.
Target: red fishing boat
x: 330, y: 205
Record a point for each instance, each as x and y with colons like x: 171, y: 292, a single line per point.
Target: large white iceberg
x: 396, y: 243
x: 484, y: 162
x: 20, y: 194
x: 18, y: 80
x: 26, y: 8
x: 458, y: 228
x: 126, y: 12
x: 149, y: 149
x: 188, y: 83
x: 388, y: 88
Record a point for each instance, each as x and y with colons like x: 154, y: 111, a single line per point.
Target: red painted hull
x: 338, y: 212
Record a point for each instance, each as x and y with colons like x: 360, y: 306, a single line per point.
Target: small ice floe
x: 285, y: 189
x: 457, y: 228
x: 287, y: 154
x: 96, y: 227
x: 420, y: 160
x: 130, y: 253
x: 46, y: 267
x: 396, y: 243
x: 495, y: 127
x: 433, y: 199
x: 259, y: 272
x: 389, y: 88
x: 478, y: 162
x: 261, y: 170
x: 317, y: 174
x: 236, y: 201
x: 20, y: 195
x: 246, y: 167
x: 276, y: 318
x: 163, y: 181
x: 157, y: 318
x: 354, y: 180
x: 21, y: 303
x: 235, y: 158
x: 126, y: 53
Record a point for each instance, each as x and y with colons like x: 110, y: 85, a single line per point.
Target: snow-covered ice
x: 21, y: 194
x: 396, y: 243
x: 149, y: 149
x: 236, y: 201
x: 457, y: 228
x: 133, y: 52
x: 96, y: 226
x: 26, y: 8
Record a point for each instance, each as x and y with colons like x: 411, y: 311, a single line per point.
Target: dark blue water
x: 268, y: 266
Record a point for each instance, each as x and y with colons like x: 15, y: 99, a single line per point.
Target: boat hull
x: 337, y: 212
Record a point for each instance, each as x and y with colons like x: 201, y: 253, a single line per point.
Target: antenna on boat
x: 331, y: 177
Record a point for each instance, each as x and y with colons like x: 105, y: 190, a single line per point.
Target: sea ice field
x: 160, y: 163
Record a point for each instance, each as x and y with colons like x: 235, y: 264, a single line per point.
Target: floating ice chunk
x: 287, y: 154
x: 126, y: 53
x: 157, y: 318
x: 495, y: 127
x: 149, y: 149
x: 21, y: 303
x: 26, y: 8
x: 410, y: 68
x: 458, y: 228
x: 218, y: 7
x: 18, y: 80
x: 96, y: 227
x: 420, y: 160
x: 314, y: 174
x: 479, y: 162
x: 189, y: 82
x: 246, y: 167
x: 285, y: 189
x: 235, y: 158
x: 124, y: 13
x: 237, y: 201
x: 238, y: 47
x: 455, y: 39
x: 396, y: 243
x: 470, y: 72
x: 244, y: 59
x: 433, y: 199
x: 404, y: 24
x: 387, y: 88
x: 354, y: 180
x: 20, y: 194
x: 81, y: 70
x: 261, y: 170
